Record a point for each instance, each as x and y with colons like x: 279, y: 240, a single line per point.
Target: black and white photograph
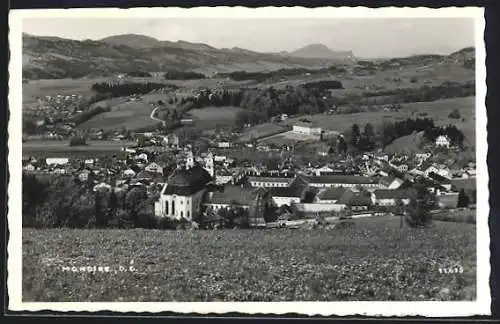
x: 326, y: 161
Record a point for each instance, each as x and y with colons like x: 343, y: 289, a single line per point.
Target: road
x: 153, y: 116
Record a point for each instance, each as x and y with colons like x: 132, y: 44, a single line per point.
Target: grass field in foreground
x: 366, y: 262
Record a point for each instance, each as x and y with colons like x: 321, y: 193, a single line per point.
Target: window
x: 166, y: 207
x: 182, y: 213
x: 188, y: 214
x: 173, y: 207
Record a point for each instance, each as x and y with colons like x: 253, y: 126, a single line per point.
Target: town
x: 189, y: 185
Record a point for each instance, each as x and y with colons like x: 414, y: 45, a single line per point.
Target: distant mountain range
x: 53, y: 57
x: 321, y: 51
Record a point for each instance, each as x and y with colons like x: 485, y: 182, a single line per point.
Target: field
x: 42, y: 88
x: 287, y: 138
x: 54, y: 148
x: 437, y: 110
x: 366, y: 262
x: 131, y: 115
x: 260, y: 131
x: 211, y: 117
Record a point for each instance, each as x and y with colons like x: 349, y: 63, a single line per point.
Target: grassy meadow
x: 373, y: 260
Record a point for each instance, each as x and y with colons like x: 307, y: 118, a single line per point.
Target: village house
x: 171, y: 140
x: 307, y: 128
x: 231, y: 196
x: 56, y: 161
x: 224, y: 144
x: 156, y: 167
x: 429, y: 170
x: 388, y: 197
x: 442, y: 141
x: 447, y: 199
x: 330, y: 195
x: 29, y: 167
x: 391, y: 182
x: 129, y: 173
x: 84, y: 175
x: 181, y: 196
x: 268, y: 182
x: 341, y: 181
x: 293, y: 194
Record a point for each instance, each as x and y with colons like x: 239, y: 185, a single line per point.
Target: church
x: 183, y: 192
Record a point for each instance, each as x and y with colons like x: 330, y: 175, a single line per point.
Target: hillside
x: 52, y: 57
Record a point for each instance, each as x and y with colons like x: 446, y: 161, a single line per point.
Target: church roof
x: 186, y: 182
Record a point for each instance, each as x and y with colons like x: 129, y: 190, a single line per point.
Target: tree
x: 420, y: 206
x: 78, y: 141
x: 463, y: 199
x: 355, y: 135
x: 342, y: 145
x: 369, y: 131
x: 99, y: 210
x: 455, y: 114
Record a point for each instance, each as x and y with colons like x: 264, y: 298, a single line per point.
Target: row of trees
x: 277, y: 74
x: 128, y: 88
x: 183, y: 75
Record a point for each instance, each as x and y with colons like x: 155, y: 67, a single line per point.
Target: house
x: 307, y: 128
x: 293, y: 194
x: 442, y: 141
x: 103, y: 187
x: 447, y: 199
x: 29, y: 167
x: 231, y: 196
x: 402, y: 167
x: 357, y: 201
x: 341, y: 181
x: 329, y: 195
x: 442, y: 181
x: 145, y: 175
x: 171, y: 140
x: 421, y: 157
x: 182, y: 194
x: 429, y: 170
x: 388, y: 197
x: 84, y: 175
x: 56, y: 161
x: 268, y: 182
x: 156, y: 167
x: 89, y: 161
x: 224, y: 144
x: 142, y: 157
x: 391, y: 182
x: 129, y: 173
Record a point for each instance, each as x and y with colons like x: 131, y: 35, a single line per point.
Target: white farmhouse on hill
x: 442, y: 141
x: 307, y: 128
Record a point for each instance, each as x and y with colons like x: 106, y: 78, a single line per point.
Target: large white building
x: 307, y: 128
x: 442, y: 141
x: 182, y: 195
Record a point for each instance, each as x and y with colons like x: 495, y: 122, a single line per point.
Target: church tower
x: 189, y: 160
x: 209, y: 164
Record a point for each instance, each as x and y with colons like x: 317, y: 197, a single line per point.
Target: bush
x: 455, y: 114
x: 77, y: 141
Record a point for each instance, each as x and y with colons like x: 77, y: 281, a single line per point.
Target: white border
x: 432, y: 309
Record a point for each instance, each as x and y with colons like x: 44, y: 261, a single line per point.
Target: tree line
x: 63, y: 201
x: 183, y: 75
x: 128, y: 88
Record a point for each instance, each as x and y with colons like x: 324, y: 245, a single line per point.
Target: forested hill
x: 52, y: 57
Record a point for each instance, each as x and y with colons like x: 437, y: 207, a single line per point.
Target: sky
x: 373, y: 37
